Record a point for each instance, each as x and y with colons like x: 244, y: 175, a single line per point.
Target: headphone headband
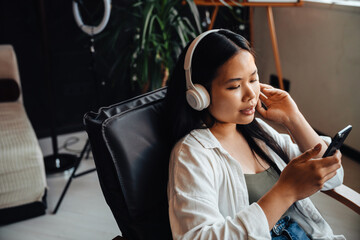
x: 196, y: 95
x: 189, y: 54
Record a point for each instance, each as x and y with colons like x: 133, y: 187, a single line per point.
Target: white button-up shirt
x: 208, y: 198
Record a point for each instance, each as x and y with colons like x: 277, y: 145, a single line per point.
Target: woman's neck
x: 234, y: 142
x: 223, y: 131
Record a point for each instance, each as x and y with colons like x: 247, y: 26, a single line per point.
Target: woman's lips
x: 248, y: 111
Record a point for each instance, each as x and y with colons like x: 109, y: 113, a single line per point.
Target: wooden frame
x: 251, y: 3
x: 346, y: 196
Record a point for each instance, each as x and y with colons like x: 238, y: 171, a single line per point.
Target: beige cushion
x: 22, y: 173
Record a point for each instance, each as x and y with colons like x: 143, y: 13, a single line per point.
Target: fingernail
x: 317, y: 147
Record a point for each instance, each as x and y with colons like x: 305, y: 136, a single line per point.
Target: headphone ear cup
x: 198, y: 98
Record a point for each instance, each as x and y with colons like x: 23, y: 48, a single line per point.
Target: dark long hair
x: 210, y: 54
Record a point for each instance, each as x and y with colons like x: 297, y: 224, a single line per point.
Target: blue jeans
x: 286, y: 229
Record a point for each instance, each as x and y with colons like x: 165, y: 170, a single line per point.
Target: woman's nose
x: 249, y: 93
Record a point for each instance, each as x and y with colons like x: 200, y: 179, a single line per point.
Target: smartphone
x: 337, y: 141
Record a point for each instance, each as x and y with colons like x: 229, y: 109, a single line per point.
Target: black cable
x: 70, y: 142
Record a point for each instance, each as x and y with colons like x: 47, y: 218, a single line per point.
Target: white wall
x: 319, y: 48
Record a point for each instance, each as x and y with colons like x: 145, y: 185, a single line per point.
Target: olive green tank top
x: 260, y: 183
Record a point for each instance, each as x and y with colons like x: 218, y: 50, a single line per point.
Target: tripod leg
x: 77, y: 163
x: 88, y: 152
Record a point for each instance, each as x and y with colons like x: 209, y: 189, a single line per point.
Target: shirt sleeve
x: 293, y: 151
x: 193, y: 201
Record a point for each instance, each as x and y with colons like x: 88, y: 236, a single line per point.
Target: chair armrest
x: 346, y: 196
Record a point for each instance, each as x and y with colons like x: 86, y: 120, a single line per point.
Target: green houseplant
x: 146, y: 37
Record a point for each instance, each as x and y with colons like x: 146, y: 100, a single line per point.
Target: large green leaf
x: 159, y: 31
x: 195, y: 13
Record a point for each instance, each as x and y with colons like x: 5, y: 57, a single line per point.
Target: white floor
x: 84, y: 213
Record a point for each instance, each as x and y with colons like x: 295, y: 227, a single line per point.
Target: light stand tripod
x: 87, y: 147
x: 56, y: 162
x: 74, y: 175
x: 91, y: 31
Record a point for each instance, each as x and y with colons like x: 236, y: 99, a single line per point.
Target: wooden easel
x: 216, y: 4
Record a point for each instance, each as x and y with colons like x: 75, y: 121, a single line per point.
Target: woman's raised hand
x: 304, y: 176
x: 280, y: 106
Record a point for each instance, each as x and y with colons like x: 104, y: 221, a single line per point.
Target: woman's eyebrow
x: 254, y: 72
x: 238, y: 79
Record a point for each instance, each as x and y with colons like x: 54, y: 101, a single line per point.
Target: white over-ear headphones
x: 196, y: 95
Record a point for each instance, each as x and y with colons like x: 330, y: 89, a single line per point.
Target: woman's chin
x: 247, y: 120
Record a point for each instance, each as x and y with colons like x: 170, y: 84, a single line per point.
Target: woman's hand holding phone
x: 302, y: 177
x: 305, y: 175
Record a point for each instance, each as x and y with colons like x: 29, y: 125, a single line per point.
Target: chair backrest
x: 131, y: 153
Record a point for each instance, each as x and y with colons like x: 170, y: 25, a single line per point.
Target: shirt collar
x: 205, y: 137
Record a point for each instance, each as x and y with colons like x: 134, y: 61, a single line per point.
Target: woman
x: 224, y: 172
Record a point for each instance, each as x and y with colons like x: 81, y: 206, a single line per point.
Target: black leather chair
x: 131, y: 153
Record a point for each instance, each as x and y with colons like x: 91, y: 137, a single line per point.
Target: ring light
x: 92, y: 30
